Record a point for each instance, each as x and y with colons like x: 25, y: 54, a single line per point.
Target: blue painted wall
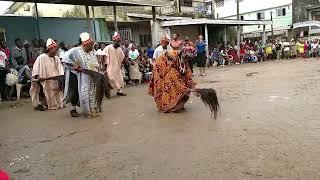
x: 62, y: 29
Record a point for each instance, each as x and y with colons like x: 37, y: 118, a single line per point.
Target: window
x: 219, y: 3
x: 186, y: 3
x: 284, y: 11
x: 144, y: 40
x: 281, y: 12
x: 241, y: 18
x: 260, y: 15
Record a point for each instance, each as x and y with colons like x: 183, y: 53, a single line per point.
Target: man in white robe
x: 45, y: 91
x: 114, y: 59
x: 80, y: 88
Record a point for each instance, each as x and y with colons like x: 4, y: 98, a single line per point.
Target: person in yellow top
x: 268, y: 49
x: 300, y: 48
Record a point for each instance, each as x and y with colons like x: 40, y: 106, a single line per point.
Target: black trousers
x: 3, y: 85
x: 190, y: 63
x: 73, y: 87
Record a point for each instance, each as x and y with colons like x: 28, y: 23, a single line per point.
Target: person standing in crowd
x: 201, y: 55
x: 113, y: 62
x: 306, y: 49
x: 42, y: 44
x: 314, y: 48
x: 278, y: 49
x: 188, y: 41
x: 62, y: 50
x: 309, y: 49
x: 134, y: 73
x: 19, y: 61
x: 79, y: 85
x: 176, y: 43
x: 6, y: 50
x: 4, y: 70
x: 293, y: 49
x: 35, y: 51
x: 125, y: 50
x: 164, y: 47
x: 47, y: 69
x: 286, y: 50
x: 150, y: 51
x: 96, y: 46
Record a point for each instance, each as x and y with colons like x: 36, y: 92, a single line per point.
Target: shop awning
x: 306, y: 24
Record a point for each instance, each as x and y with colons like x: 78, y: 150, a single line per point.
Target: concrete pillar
x: 225, y: 35
x: 206, y: 37
x: 94, y: 24
x: 213, y: 9
x: 238, y: 40
x: 310, y: 19
x: 264, y: 39
x: 90, y: 28
x: 37, y: 19
x: 153, y: 13
x: 115, y: 18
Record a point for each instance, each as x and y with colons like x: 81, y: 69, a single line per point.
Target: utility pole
x: 271, y: 13
x: 238, y: 28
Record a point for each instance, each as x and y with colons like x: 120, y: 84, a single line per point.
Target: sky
x: 4, y: 5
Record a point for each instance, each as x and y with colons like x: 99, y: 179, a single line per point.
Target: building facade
x: 130, y: 28
x: 280, y: 11
x: 306, y: 13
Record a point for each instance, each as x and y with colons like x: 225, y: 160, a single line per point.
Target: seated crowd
x: 19, y: 60
x: 257, y: 51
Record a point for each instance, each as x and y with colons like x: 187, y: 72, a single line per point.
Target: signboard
x: 306, y: 24
x: 201, y: 9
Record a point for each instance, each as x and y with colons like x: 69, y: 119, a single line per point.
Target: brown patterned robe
x: 169, y: 87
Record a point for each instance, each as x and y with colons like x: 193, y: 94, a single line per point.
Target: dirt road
x: 269, y: 128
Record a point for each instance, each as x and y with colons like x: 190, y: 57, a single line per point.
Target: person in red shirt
x: 176, y: 43
x: 5, y: 49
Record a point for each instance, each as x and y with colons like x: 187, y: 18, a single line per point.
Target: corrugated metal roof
x: 147, y: 16
x: 156, y: 3
x: 213, y: 22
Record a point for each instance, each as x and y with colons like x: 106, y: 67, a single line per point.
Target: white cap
x: 84, y: 36
x: 51, y: 43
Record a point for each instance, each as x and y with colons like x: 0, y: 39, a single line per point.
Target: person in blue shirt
x: 150, y: 52
x: 201, y: 55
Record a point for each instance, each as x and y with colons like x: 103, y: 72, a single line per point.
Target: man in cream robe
x: 47, y: 70
x: 114, y: 59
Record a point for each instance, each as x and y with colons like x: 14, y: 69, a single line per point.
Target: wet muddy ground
x: 269, y: 128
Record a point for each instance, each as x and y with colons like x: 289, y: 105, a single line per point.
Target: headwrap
x: 173, y: 54
x: 164, y: 39
x: 189, y: 51
x: 51, y: 44
x: 116, y: 36
x: 85, y: 38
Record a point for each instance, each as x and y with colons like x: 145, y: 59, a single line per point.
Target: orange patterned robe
x: 169, y: 87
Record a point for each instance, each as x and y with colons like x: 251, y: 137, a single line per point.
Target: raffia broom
x: 101, y: 84
x: 209, y: 98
